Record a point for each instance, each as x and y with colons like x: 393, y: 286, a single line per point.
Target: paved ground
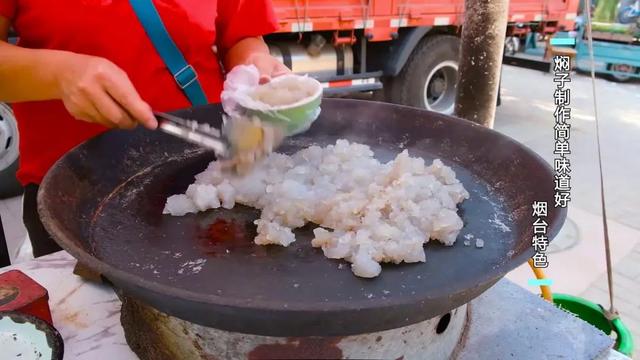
x: 577, y: 263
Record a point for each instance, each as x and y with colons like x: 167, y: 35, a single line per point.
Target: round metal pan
x: 103, y: 203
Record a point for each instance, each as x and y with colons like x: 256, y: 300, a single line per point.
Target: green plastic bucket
x: 594, y: 315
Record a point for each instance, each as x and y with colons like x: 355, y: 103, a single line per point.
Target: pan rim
x: 117, y: 275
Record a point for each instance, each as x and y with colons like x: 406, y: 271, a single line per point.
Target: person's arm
x: 92, y: 89
x: 16, y: 62
x: 240, y: 25
x: 253, y: 50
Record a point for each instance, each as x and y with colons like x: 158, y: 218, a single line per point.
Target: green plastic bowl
x: 594, y: 315
x: 294, y: 118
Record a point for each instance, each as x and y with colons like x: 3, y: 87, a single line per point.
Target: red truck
x: 404, y: 50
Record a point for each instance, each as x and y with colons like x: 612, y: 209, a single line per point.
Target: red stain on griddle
x: 299, y: 348
x: 226, y: 232
x: 225, y: 236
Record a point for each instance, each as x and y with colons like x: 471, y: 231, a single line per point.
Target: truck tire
x: 429, y: 78
x: 9, y: 185
x: 623, y: 69
x: 627, y: 12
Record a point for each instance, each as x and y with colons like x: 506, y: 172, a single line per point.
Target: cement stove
x: 506, y: 322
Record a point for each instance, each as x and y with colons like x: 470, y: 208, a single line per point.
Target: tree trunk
x: 483, y: 35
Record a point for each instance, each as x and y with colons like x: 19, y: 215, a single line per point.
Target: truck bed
x: 385, y: 17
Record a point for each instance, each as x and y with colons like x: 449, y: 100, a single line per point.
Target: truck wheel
x: 511, y: 45
x: 9, y: 185
x: 626, y: 12
x: 623, y: 69
x: 429, y: 78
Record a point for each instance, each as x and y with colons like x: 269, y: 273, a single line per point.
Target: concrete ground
x: 577, y: 262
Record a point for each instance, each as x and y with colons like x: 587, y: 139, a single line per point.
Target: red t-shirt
x: 110, y: 29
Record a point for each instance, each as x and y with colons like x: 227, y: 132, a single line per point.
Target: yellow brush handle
x: 546, y: 290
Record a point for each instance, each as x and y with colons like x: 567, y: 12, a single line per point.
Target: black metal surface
x: 103, y: 203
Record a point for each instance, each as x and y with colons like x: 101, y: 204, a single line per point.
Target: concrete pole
x: 483, y: 34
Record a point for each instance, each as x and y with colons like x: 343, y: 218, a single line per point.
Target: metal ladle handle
x: 193, y: 132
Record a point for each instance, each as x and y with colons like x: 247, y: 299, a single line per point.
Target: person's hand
x: 95, y: 90
x: 268, y: 66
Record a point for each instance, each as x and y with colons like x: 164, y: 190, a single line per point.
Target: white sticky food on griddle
x: 368, y: 212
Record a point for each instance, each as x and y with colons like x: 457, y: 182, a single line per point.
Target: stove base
x: 506, y: 322
x: 154, y: 335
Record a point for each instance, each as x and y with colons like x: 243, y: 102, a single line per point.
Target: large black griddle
x: 103, y: 203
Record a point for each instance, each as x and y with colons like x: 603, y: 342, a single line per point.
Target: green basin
x: 594, y: 315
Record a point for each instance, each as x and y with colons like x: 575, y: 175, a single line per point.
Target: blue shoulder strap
x: 184, y: 74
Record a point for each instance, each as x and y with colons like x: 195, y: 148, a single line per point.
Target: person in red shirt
x: 83, y: 66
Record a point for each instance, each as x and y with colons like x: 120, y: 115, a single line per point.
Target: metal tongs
x: 239, y: 146
x: 194, y: 132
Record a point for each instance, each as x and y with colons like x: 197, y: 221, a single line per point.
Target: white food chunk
x: 179, y: 205
x: 446, y: 226
x: 227, y: 195
x: 273, y: 233
x: 336, y: 245
x: 443, y: 173
x: 367, y: 212
x: 286, y: 91
x: 364, y: 266
x: 212, y: 175
x: 204, y: 196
